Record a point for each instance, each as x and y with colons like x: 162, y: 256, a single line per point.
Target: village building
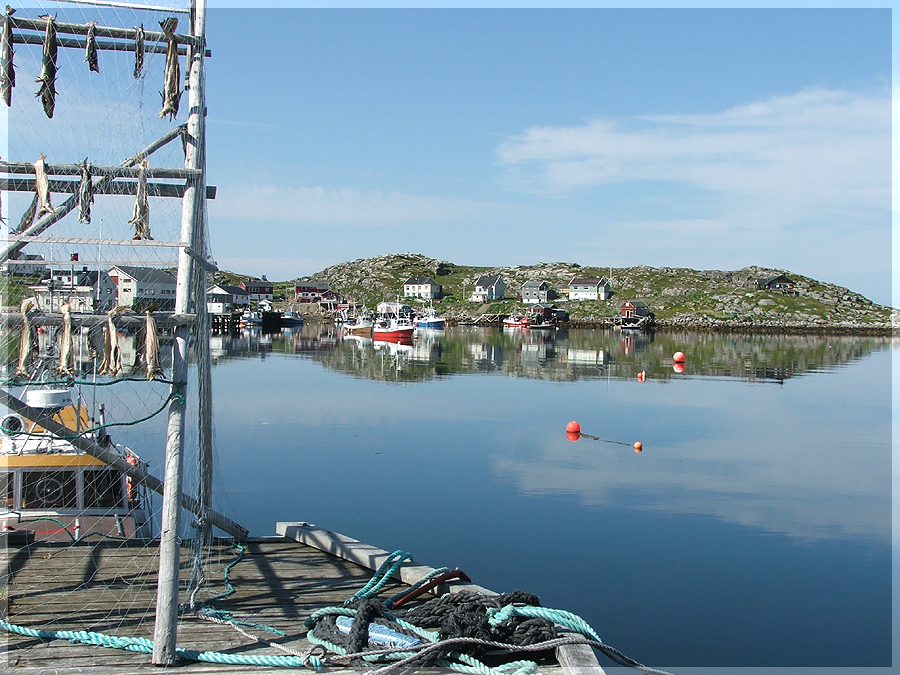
x: 589, y: 288
x: 778, y: 282
x: 536, y: 290
x: 421, y: 287
x: 85, y: 291
x: 225, y: 299
x: 259, y: 290
x: 141, y: 288
x: 488, y: 288
x: 634, y: 309
x: 23, y: 264
x: 312, y: 291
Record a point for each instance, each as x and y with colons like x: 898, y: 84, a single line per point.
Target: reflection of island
x: 558, y: 355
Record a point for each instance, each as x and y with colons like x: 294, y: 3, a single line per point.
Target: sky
x: 709, y: 138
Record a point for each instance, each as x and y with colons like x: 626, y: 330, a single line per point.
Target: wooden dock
x: 109, y: 586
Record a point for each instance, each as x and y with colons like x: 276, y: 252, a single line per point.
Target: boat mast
x: 192, y: 224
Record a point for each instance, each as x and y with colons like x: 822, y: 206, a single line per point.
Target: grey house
x: 537, y: 291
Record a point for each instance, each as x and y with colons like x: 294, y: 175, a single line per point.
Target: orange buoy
x: 573, y: 427
x: 678, y: 357
x: 642, y: 376
x: 573, y: 435
x: 638, y: 446
x: 678, y: 367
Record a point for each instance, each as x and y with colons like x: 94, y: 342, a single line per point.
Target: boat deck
x: 109, y: 586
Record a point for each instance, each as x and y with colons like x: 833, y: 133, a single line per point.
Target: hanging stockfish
x: 42, y: 186
x: 90, y: 52
x: 7, y: 69
x: 28, y: 216
x: 141, y: 216
x: 66, y: 353
x: 27, y: 341
x: 151, y: 349
x: 47, y: 78
x: 85, y: 193
x: 138, y: 51
x: 171, y: 93
x: 112, y: 356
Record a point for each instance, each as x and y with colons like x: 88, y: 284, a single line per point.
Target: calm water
x: 753, y: 530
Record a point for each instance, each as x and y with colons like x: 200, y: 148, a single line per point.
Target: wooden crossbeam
x: 40, y: 25
x: 27, y: 168
x: 120, y: 187
x: 105, y: 45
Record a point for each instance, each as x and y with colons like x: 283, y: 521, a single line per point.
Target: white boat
x: 249, y: 318
x: 50, y: 486
x: 430, y: 319
x: 360, y: 325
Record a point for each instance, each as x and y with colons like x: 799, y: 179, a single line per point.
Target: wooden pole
x: 165, y: 629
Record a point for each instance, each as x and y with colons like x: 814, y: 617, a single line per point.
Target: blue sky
x: 704, y: 138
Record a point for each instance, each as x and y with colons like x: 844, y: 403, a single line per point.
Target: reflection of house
x: 85, y: 291
x: 537, y: 291
x: 586, y: 357
x: 779, y: 282
x: 259, y: 290
x: 488, y: 288
x: 421, y: 287
x: 224, y: 299
x: 589, y: 288
x: 141, y: 287
x: 24, y: 264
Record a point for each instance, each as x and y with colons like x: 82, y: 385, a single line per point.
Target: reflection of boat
x: 393, y: 327
x: 540, y: 325
x: 46, y: 481
x: 431, y: 319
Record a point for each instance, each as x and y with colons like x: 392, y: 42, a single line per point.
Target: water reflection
x: 561, y: 355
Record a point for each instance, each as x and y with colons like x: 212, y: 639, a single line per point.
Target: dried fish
x: 47, y: 78
x: 27, y: 217
x: 90, y: 52
x: 138, y: 51
x: 171, y: 93
x: 151, y: 349
x: 42, y: 186
x: 7, y: 69
x: 85, y: 193
x: 141, y: 216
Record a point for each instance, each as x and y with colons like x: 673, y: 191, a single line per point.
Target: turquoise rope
x: 557, y: 616
x: 381, y: 577
x: 145, y: 646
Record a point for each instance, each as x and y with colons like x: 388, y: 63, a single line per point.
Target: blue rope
x: 557, y: 616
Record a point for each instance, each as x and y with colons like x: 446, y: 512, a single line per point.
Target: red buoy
x: 573, y: 436
x: 678, y: 357
x: 573, y: 427
x: 678, y: 367
x: 638, y: 446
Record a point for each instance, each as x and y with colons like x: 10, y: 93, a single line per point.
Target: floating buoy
x: 638, y: 446
x: 678, y: 357
x: 573, y: 427
x: 573, y: 436
x: 642, y: 376
x: 678, y: 367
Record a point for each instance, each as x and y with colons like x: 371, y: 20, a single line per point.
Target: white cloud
x: 818, y: 149
x: 321, y: 206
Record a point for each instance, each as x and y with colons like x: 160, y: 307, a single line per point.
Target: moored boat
x: 515, y: 321
x: 360, y: 325
x: 291, y: 318
x: 431, y: 319
x: 393, y: 327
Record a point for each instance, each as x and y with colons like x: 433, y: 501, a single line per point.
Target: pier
x: 109, y: 586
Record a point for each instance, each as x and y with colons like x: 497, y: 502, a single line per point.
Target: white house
x: 225, y: 299
x: 141, y: 287
x: 488, y: 288
x: 421, y: 287
x: 24, y: 264
x: 589, y: 288
x: 85, y: 291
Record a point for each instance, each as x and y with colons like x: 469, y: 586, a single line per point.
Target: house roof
x: 765, y: 281
x: 588, y: 281
x: 488, y: 281
x: 419, y: 281
x: 146, y: 274
x: 534, y: 283
x: 635, y: 303
x: 227, y: 288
